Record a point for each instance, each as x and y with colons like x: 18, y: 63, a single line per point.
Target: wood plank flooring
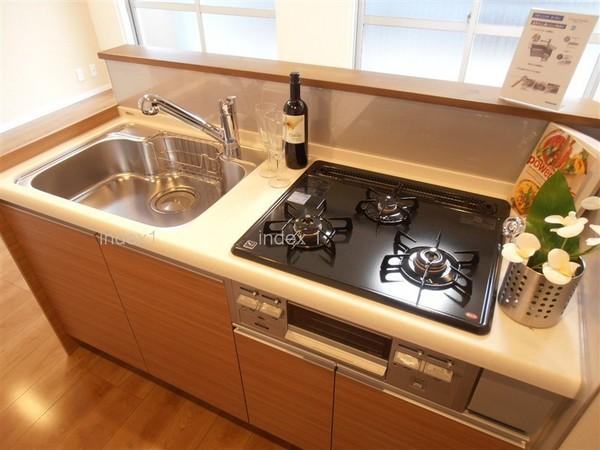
x: 49, y: 400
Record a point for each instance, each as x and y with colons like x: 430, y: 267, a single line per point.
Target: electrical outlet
x: 93, y: 71
x: 80, y: 74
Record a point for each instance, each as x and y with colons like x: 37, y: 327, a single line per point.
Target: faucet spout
x: 152, y: 104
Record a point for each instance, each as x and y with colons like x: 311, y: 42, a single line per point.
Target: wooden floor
x: 51, y: 401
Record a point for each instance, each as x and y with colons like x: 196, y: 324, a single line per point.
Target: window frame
x: 471, y: 27
x: 195, y: 6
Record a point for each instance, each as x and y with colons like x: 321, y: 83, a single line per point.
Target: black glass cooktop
x: 416, y: 246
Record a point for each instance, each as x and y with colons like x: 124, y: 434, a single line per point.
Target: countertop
x: 546, y: 358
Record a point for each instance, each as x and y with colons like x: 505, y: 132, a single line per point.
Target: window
x: 232, y: 27
x: 470, y: 41
x: 460, y: 40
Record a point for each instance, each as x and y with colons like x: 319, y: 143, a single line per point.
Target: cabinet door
x: 181, y: 320
x: 368, y: 418
x: 71, y: 269
x: 286, y: 395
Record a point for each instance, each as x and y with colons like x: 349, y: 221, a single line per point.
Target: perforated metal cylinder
x: 527, y: 297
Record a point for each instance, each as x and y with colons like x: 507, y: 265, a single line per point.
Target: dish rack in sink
x: 193, y: 157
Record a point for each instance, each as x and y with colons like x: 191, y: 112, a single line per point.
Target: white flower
x: 559, y: 269
x: 591, y: 203
x: 525, y: 245
x: 594, y: 240
x: 571, y: 224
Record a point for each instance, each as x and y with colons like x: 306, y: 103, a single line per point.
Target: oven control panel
x: 431, y: 375
x: 401, y: 364
x: 429, y: 365
x: 263, y: 312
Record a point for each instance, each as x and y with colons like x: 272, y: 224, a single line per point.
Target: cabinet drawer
x: 286, y: 394
x: 368, y: 418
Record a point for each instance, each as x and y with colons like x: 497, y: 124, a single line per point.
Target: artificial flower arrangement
x: 550, y: 244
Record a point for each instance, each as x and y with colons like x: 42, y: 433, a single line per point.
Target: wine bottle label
x: 293, y: 129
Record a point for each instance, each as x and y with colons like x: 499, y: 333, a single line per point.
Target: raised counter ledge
x: 584, y: 112
x: 547, y: 358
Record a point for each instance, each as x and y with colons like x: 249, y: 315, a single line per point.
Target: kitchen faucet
x: 227, y: 135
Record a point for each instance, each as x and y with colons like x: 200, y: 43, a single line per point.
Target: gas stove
x: 423, y: 248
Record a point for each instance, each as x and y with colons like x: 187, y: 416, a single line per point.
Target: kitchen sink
x: 146, y: 175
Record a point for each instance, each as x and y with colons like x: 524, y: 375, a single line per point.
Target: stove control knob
x: 247, y: 302
x: 271, y: 310
x: 439, y: 372
x: 406, y: 360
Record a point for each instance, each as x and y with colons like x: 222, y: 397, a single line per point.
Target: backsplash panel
x: 485, y: 144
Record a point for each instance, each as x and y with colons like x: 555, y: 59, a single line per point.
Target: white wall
x: 316, y: 31
x: 109, y: 23
x: 41, y: 44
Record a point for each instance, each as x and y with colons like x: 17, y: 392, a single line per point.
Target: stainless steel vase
x: 527, y: 297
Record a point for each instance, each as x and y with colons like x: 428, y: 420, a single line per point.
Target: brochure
x: 546, y: 58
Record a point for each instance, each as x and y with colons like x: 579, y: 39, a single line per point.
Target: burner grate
x: 429, y: 267
x: 387, y: 208
x: 306, y: 229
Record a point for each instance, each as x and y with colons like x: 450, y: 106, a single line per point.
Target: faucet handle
x: 148, y: 104
x: 228, y: 112
x: 227, y: 109
x: 230, y: 100
x: 227, y: 106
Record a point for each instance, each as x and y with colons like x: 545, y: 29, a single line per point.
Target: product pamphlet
x: 546, y: 58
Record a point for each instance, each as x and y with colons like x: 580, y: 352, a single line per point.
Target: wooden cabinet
x: 286, y: 395
x: 368, y: 418
x: 175, y: 324
x: 182, y: 323
x: 71, y: 269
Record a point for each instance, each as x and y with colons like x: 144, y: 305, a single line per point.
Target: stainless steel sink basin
x: 142, y: 174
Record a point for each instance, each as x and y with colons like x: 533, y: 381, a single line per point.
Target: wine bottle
x: 295, y: 126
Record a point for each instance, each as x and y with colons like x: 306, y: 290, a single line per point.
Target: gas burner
x: 312, y: 231
x: 307, y: 230
x: 429, y: 267
x: 387, y: 208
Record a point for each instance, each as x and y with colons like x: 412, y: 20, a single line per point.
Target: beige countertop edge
x: 546, y: 358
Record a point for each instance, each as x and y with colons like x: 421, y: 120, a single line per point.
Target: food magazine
x: 560, y: 148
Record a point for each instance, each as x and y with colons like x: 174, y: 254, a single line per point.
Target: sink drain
x: 174, y: 200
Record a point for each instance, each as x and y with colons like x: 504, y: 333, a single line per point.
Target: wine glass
x: 262, y: 111
x: 274, y: 122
